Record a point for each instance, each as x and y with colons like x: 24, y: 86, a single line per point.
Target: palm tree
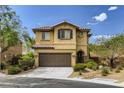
x: 28, y: 41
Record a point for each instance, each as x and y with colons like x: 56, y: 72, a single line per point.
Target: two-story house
x: 60, y: 45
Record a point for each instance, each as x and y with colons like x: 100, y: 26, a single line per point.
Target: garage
x: 54, y: 59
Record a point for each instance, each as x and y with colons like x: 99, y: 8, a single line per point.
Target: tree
x: 110, y: 48
x: 115, y: 47
x: 11, y: 30
x: 9, y: 24
x: 29, y: 41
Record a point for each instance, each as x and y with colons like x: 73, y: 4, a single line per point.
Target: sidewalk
x: 2, y: 75
x: 100, y: 81
x: 121, y: 84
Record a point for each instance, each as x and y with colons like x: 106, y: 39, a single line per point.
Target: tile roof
x: 50, y: 27
x: 43, y: 27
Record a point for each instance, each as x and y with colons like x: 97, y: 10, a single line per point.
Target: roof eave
x: 38, y: 29
x: 66, y: 23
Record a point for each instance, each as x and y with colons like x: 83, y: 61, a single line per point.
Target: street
x: 26, y: 82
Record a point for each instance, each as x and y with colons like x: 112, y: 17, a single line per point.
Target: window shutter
x: 71, y: 34
x: 43, y: 35
x: 59, y: 34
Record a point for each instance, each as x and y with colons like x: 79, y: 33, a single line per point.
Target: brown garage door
x: 55, y: 59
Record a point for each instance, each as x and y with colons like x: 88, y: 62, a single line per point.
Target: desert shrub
x: 119, y: 67
x: 100, y: 67
x: 92, y: 65
x: 117, y: 71
x: 80, y: 72
x: 79, y: 67
x: 122, y: 65
x: 12, y: 70
x: 105, y: 71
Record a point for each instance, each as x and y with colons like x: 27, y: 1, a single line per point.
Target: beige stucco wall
x: 62, y: 46
x: 65, y: 26
x: 82, y: 42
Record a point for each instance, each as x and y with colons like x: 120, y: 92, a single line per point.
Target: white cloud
x: 101, y: 17
x: 102, y: 36
x: 92, y: 23
x: 94, y: 38
x: 112, y: 8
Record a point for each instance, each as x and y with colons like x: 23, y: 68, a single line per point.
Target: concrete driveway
x: 49, y: 72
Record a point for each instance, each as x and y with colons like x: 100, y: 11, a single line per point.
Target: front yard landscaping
x: 101, y: 71
x: 18, y: 64
x: 110, y: 63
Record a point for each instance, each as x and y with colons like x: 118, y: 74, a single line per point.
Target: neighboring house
x: 60, y: 44
x: 11, y: 51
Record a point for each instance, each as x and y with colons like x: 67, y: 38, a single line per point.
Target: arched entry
x: 80, y: 56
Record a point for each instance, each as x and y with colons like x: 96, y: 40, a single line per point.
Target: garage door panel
x: 55, y: 59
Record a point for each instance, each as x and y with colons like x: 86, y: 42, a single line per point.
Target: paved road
x: 26, y: 82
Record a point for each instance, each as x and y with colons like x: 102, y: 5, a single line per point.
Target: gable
x: 65, y: 24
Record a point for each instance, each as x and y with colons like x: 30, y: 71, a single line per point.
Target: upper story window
x: 65, y: 34
x: 45, y: 35
x: 80, y: 34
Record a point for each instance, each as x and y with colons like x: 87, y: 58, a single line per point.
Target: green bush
x: 27, y: 56
x: 30, y: 54
x: 26, y: 64
x: 2, y: 66
x: 79, y: 67
x: 105, y: 71
x: 92, y: 65
x: 27, y: 61
x: 14, y: 60
x: 12, y: 70
x: 23, y: 65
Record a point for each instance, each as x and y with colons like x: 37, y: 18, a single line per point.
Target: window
x: 65, y: 34
x: 45, y: 35
x: 81, y: 33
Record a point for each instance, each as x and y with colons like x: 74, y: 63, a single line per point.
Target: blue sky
x: 102, y: 20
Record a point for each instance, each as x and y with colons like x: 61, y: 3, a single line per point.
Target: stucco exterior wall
x: 82, y: 42
x: 63, y: 46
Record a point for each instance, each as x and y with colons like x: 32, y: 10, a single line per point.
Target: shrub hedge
x: 92, y: 65
x: 79, y: 67
x: 2, y: 66
x: 12, y: 70
x: 27, y: 61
